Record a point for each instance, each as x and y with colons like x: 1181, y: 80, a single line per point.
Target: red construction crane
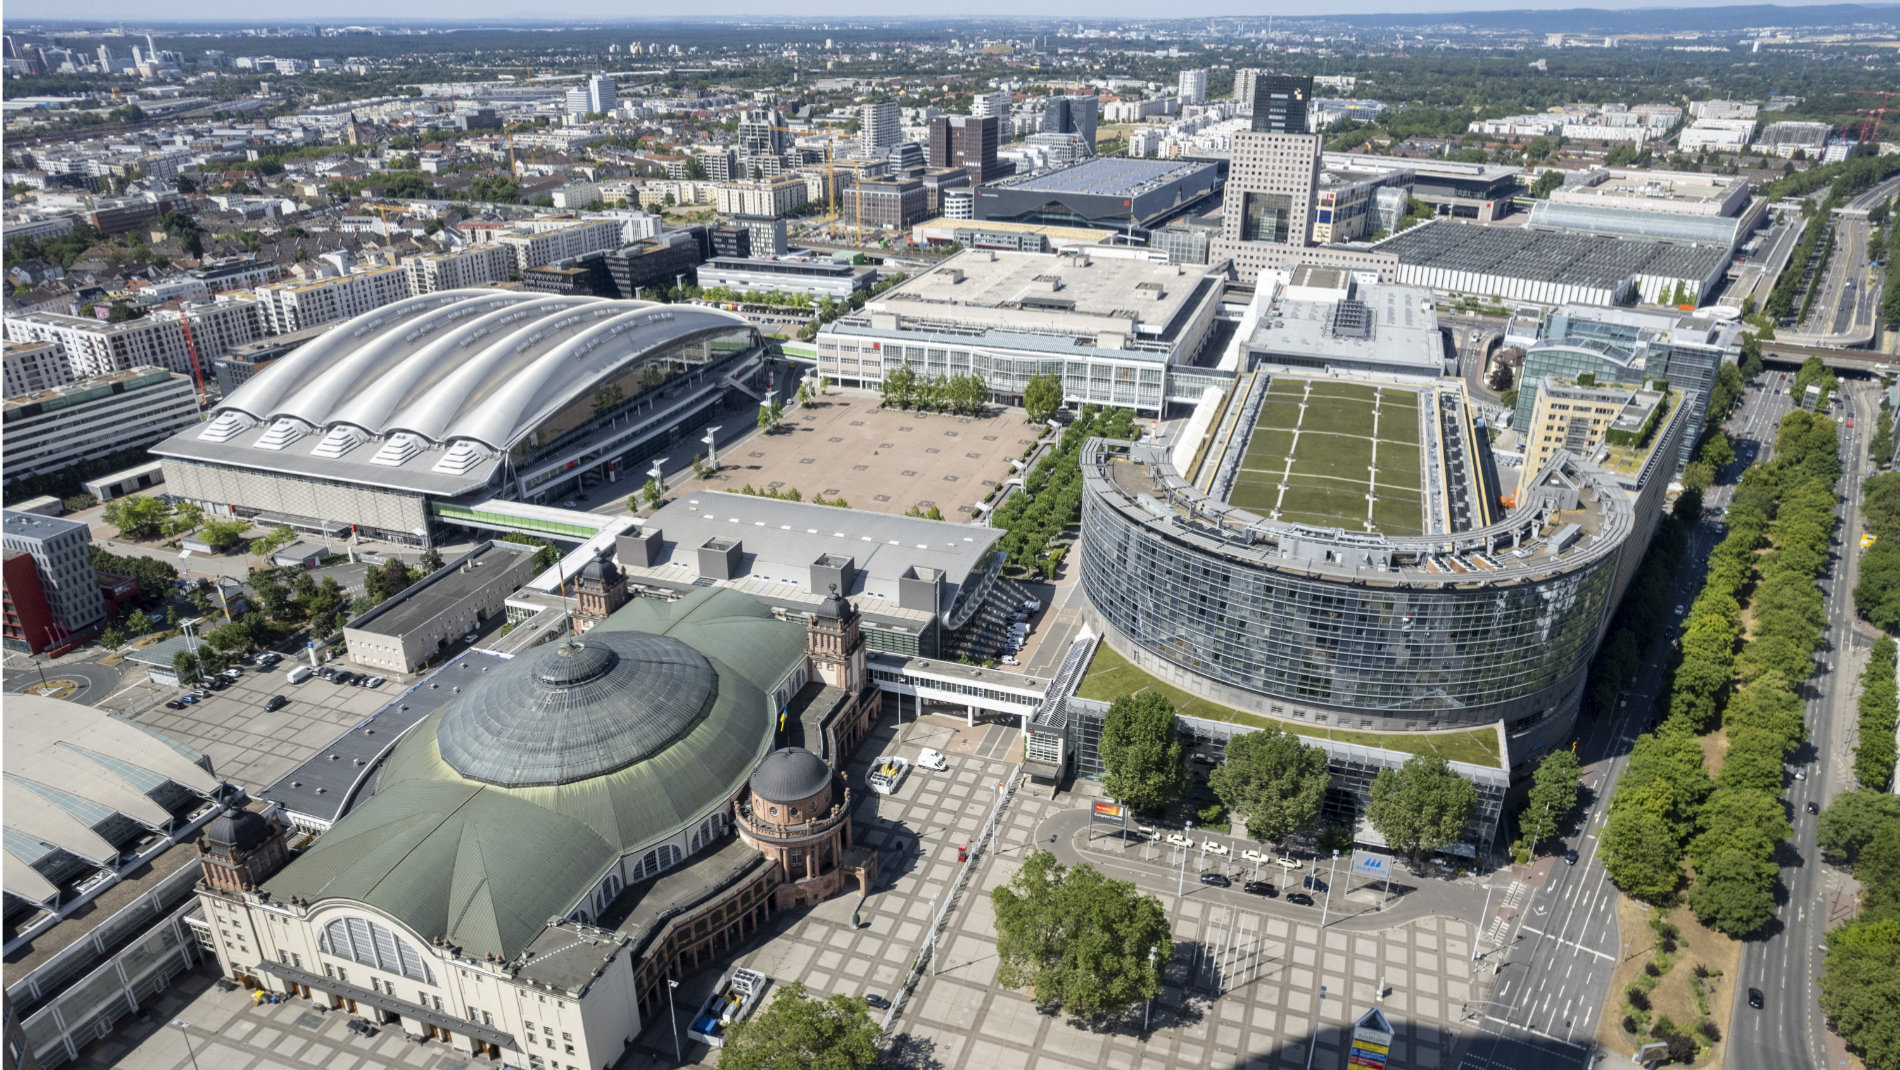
x: 1870, y: 127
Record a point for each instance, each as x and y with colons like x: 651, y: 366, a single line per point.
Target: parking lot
x: 880, y: 460
x: 251, y: 746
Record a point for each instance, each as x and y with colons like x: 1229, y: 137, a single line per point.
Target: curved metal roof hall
x: 486, y: 366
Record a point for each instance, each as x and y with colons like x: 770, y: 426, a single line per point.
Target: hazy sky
x: 244, y: 10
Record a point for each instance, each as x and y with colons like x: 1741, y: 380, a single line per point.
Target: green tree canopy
x: 1042, y: 396
x: 137, y: 517
x: 1553, y: 794
x: 1641, y: 853
x: 1079, y: 940
x: 1853, y: 819
x: 1145, y: 764
x: 1421, y: 806
x: 1734, y: 892
x: 1273, y: 781
x: 1860, y: 988
x: 796, y: 1032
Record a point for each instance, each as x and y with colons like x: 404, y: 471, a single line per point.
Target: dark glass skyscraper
x: 1280, y: 102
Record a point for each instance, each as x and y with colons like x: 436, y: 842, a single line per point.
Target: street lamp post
x: 672, y: 1016
x: 1479, y: 939
x: 1151, y: 1000
x: 1315, y: 1037
x: 185, y: 1028
x: 1328, y: 903
x: 1180, y: 880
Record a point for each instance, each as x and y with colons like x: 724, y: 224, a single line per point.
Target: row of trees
x: 1860, y: 977
x: 1051, y: 496
x: 964, y: 395
x: 1877, y: 591
x: 1274, y: 782
x: 1874, y: 749
x: 1666, y: 805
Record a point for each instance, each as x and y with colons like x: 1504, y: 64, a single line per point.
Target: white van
x: 299, y: 674
x: 932, y: 759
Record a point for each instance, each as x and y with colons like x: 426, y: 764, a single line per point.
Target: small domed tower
x: 599, y: 589
x: 795, y: 813
x: 241, y: 849
x: 835, y: 642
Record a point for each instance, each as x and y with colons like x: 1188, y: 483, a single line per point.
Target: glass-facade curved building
x: 1358, y: 631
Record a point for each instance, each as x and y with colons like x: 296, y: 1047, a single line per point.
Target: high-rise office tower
x: 600, y: 94
x: 1193, y: 87
x: 1280, y: 102
x: 762, y: 132
x: 878, y: 127
x: 1072, y: 115
x: 965, y: 141
x: 11, y: 51
x: 105, y: 59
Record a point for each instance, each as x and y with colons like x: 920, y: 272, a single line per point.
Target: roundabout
x: 84, y: 683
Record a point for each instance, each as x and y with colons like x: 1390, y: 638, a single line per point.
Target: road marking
x: 1572, y: 943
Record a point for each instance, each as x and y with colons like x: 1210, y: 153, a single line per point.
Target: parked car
x: 1032, y: 605
x: 378, y: 681
x: 217, y: 683
x: 1216, y: 880
x: 362, y: 1027
x: 470, y: 637
x: 234, y: 673
x: 275, y: 702
x: 174, y: 704
x: 188, y: 700
x: 877, y: 1001
x: 200, y: 693
x: 1009, y: 659
x: 1300, y: 899
x: 1261, y: 888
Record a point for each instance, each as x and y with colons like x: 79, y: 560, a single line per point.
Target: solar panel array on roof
x: 1546, y: 256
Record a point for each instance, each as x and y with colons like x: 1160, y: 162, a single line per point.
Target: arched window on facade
x: 374, y: 944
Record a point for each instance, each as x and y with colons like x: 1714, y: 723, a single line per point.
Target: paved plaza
x: 883, y: 460
x: 1243, y: 989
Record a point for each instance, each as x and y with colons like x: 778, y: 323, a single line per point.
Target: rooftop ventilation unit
x: 400, y: 449
x: 281, y: 434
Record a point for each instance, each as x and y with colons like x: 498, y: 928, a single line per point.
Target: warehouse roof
x: 1551, y: 256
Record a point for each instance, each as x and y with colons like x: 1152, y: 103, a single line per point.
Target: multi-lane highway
x: 1553, y: 952
x: 1848, y: 289
x: 1787, y: 1033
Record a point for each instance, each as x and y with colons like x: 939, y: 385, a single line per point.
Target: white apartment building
x: 562, y: 243
x: 62, y: 555
x: 1245, y: 78
x: 773, y: 197
x: 477, y: 265
x: 35, y: 366
x: 95, y: 347
x: 93, y: 418
x: 293, y: 306
x: 1724, y: 109
x: 879, y: 127
x: 996, y: 104
x: 214, y: 328
x: 1719, y: 134
x: 1193, y: 86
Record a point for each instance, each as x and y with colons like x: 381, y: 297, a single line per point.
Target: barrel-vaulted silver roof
x: 483, y: 366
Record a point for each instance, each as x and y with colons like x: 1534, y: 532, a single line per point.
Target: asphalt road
x: 1554, y: 961
x: 1788, y: 1032
x: 95, y: 681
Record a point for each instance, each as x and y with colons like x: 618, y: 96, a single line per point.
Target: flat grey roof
x: 782, y: 539
x: 1404, y: 334
x: 37, y: 526
x: 428, y: 599
x: 1106, y: 176
x: 1550, y: 256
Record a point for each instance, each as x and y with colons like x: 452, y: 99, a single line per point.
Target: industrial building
x: 1668, y: 206
x: 101, y: 864
x: 569, y: 829
x: 1480, y: 191
x: 1113, y: 328
x: 423, y: 410
x: 1552, y: 267
x: 1123, y: 194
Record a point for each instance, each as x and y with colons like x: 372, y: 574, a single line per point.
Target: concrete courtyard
x: 879, y: 459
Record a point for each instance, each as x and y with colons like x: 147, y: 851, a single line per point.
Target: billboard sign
x: 1371, y: 1041
x: 1111, y: 811
x: 1369, y: 865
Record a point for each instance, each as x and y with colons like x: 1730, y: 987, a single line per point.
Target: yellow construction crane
x: 383, y: 210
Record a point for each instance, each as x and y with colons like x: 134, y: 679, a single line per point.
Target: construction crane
x: 383, y: 210
x: 1870, y: 127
